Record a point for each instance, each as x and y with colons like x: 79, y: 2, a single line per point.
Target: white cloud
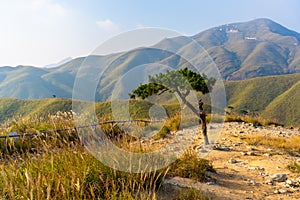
x: 107, y: 25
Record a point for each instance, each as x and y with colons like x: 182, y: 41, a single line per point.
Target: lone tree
x: 180, y: 82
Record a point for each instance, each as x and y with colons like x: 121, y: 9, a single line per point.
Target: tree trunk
x: 201, y: 115
x: 204, y: 127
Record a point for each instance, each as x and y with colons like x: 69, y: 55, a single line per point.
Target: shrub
x: 162, y: 133
x: 191, y: 194
x: 190, y: 166
x: 294, y: 167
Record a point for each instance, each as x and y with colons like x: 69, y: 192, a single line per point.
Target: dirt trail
x: 247, y: 172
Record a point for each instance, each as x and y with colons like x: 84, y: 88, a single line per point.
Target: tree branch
x: 188, y: 104
x: 162, y: 91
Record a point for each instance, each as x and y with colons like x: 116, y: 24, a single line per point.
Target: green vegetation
x: 270, y: 98
x: 283, y: 107
x: 180, y: 82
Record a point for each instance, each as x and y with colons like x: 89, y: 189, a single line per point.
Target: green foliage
x: 179, y: 81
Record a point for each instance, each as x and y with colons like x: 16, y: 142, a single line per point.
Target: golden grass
x: 258, y: 121
x: 291, y: 144
x: 189, y: 165
x: 56, y: 166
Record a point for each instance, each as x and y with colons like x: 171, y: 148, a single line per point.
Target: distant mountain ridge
x: 241, y: 51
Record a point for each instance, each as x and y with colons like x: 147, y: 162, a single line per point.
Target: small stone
x: 269, y: 182
x: 266, y: 154
x: 243, y: 153
x: 291, y: 183
x: 232, y: 161
x: 279, y: 177
x: 252, y: 168
x: 210, y: 183
x: 152, y: 142
x: 250, y: 153
x: 222, y: 148
x: 282, y: 191
x: 252, y: 182
x: 250, y: 148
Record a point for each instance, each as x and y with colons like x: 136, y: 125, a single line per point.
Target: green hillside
x: 274, y: 97
x: 285, y: 107
x: 14, y: 108
x: 257, y: 93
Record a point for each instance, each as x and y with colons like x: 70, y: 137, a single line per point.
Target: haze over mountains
x: 241, y: 51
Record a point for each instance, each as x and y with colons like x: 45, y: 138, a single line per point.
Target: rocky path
x: 243, y: 171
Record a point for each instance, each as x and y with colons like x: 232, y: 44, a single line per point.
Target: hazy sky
x: 41, y: 32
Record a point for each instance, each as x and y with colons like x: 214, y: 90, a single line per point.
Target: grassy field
x: 56, y: 166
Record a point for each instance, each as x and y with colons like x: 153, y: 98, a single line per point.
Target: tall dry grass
x: 56, y: 166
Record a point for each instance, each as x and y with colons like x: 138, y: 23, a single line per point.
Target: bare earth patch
x: 246, y: 171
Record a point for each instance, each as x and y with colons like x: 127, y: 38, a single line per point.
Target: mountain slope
x: 262, y: 47
x: 285, y: 107
x: 257, y: 94
x: 246, y: 50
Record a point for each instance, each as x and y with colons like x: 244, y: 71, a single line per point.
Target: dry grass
x: 190, y: 166
x: 191, y: 194
x: 56, y: 166
x: 249, y: 119
x: 288, y: 144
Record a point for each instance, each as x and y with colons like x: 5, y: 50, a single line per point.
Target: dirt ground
x: 243, y: 171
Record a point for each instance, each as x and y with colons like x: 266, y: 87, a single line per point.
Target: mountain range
x: 250, y: 56
x: 241, y: 51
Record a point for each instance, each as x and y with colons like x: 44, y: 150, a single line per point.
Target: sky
x: 42, y: 32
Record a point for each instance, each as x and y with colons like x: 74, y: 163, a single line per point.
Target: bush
x: 294, y: 167
x: 190, y: 166
x: 162, y: 133
x: 191, y: 194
